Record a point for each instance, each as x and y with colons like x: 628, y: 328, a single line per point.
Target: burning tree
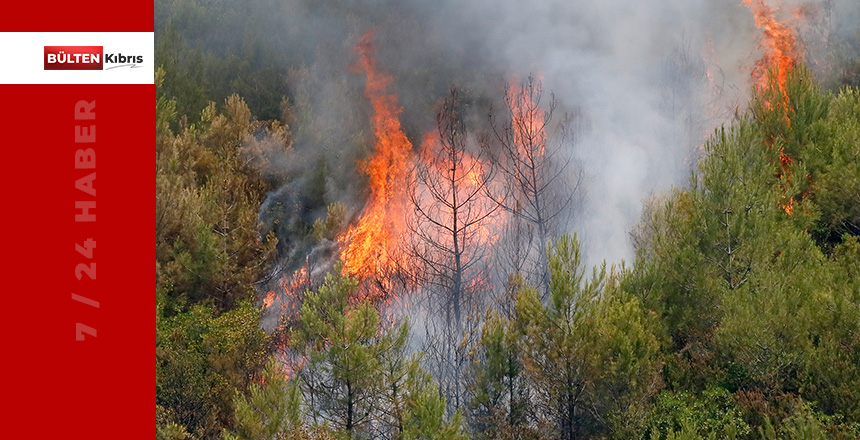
x: 371, y: 247
x: 534, y: 174
x: 451, y: 231
x: 781, y: 48
x: 771, y: 104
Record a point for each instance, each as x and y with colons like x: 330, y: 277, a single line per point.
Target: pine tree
x: 356, y: 378
x: 539, y: 193
x: 210, y: 252
x: 272, y: 410
x: 749, y: 267
x: 590, y: 353
x: 501, y: 407
x: 450, y: 235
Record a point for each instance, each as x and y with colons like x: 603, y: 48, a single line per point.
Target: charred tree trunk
x: 539, y: 191
x: 452, y: 221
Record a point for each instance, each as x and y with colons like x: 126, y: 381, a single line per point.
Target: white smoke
x: 650, y: 81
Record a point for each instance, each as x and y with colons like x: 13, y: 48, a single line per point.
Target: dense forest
x: 474, y: 314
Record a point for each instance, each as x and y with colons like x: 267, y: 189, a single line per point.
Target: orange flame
x: 465, y: 191
x: 371, y: 246
x: 781, y: 54
x: 270, y: 298
x: 527, y: 121
x: 291, y: 290
x: 780, y: 44
x: 785, y: 161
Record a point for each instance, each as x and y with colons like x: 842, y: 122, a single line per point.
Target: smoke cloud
x: 647, y: 81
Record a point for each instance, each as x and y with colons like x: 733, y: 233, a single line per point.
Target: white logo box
x: 23, y: 55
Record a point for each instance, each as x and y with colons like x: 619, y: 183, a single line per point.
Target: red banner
x: 78, y: 202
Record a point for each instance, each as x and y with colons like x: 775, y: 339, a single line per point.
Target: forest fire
x: 785, y: 161
x: 291, y: 288
x: 454, y: 197
x: 370, y: 246
x: 488, y: 221
x: 780, y: 43
x: 527, y: 121
x: 781, y: 55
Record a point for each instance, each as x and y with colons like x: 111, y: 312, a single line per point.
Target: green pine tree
x: 357, y: 379
x: 590, y: 353
x: 271, y: 411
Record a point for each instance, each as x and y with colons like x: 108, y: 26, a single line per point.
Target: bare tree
x: 451, y: 232
x: 536, y: 176
x: 694, y: 98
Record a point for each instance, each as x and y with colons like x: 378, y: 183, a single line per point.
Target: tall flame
x: 781, y: 54
x: 780, y: 43
x: 371, y: 245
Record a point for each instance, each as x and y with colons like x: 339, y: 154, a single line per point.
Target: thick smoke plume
x: 646, y: 81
